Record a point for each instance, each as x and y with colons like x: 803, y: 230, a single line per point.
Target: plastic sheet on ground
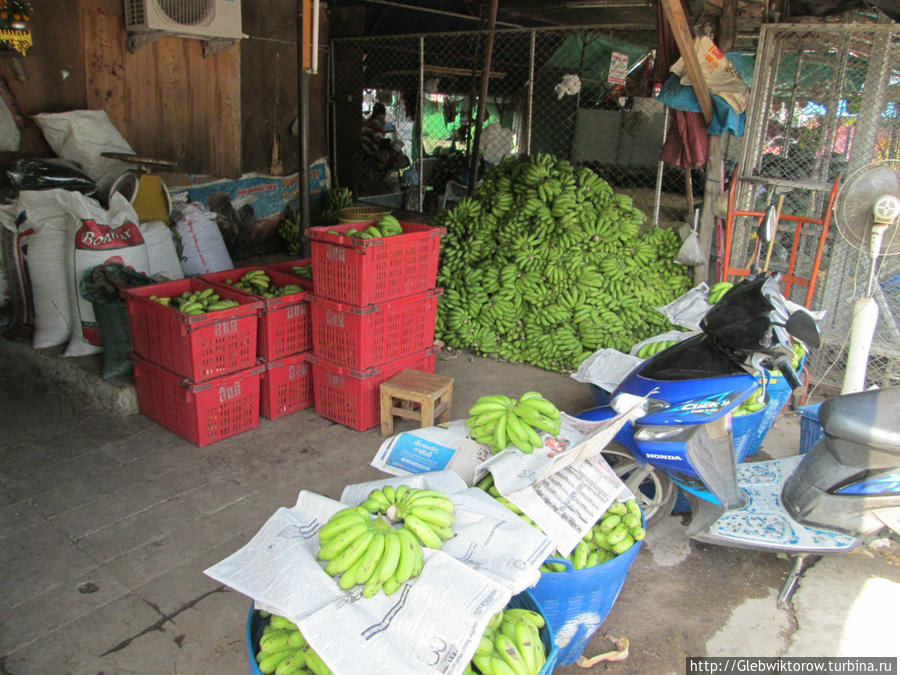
x: 433, y: 623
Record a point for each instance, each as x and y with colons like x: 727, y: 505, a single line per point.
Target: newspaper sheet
x: 565, y: 491
x: 444, y: 446
x: 433, y: 623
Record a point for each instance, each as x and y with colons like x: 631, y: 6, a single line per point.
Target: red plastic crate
x: 287, y: 386
x: 284, y: 325
x: 353, y: 397
x: 200, y: 413
x: 365, y: 271
x: 287, y: 268
x: 196, y: 347
x: 360, y: 338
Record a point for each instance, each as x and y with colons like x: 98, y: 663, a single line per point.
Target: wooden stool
x: 432, y: 392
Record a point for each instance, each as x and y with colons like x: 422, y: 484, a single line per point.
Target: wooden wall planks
x: 166, y: 99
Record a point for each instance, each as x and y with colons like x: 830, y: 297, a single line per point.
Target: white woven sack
x: 203, y: 248
x: 44, y: 234
x: 164, y: 262
x: 97, y: 236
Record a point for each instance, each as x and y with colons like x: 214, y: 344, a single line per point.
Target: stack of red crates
x: 373, y: 308
x: 195, y: 375
x: 284, y: 342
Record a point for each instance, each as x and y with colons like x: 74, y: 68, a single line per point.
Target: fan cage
x: 199, y: 13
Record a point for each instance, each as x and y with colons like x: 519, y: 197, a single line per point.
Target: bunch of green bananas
x: 361, y: 544
x: 258, y: 283
x: 511, y: 645
x: 193, y: 303
x: 718, y: 290
x: 544, y: 264
x: 304, y: 271
x: 428, y: 514
x: 614, y: 532
x: 498, y: 421
x: 338, y: 198
x: 284, y: 651
x: 290, y: 230
x: 653, y: 348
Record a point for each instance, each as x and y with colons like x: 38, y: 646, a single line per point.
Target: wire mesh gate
x: 582, y: 94
x: 825, y: 102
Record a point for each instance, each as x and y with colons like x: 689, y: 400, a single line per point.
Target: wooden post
x: 682, y: 34
x: 715, y: 179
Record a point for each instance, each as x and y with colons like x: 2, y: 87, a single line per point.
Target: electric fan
x: 866, y: 213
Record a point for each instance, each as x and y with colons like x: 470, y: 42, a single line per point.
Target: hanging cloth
x: 687, y: 141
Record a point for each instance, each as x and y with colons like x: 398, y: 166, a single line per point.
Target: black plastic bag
x: 47, y: 174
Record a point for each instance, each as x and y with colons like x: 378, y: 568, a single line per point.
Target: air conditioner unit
x: 188, y: 18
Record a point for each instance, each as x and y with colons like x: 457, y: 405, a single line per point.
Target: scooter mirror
x: 803, y: 326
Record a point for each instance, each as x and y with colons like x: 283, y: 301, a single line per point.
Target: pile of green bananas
x: 511, y: 645
x: 653, y: 348
x: 193, y: 303
x: 498, y: 421
x: 718, y: 290
x: 258, y: 283
x: 615, y: 531
x: 284, y: 651
x: 361, y: 545
x: 386, y: 227
x: 545, y: 265
x: 303, y: 271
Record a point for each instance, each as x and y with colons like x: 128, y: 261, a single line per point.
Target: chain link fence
x: 825, y: 109
x: 582, y: 94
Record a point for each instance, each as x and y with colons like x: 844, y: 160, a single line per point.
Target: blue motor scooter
x: 846, y: 488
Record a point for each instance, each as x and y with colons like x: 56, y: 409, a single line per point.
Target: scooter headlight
x: 624, y: 402
x: 664, y: 433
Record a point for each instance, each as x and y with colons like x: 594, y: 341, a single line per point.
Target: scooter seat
x: 868, y: 418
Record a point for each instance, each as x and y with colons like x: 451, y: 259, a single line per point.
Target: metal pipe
x: 482, y: 98
x: 304, y: 160
x: 421, y: 117
x: 530, y: 94
x: 442, y: 12
x: 659, y: 171
x: 331, y: 126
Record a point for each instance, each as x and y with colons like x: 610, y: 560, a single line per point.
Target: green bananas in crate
x: 258, y: 282
x: 718, y: 290
x: 615, y: 531
x: 284, y: 651
x: 304, y: 271
x: 653, y: 348
x: 388, y: 226
x: 511, y: 643
x: 196, y: 302
x: 499, y: 421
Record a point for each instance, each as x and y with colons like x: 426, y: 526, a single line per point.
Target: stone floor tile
x: 85, y: 491
x: 82, y: 645
x: 95, y: 516
x: 35, y: 618
x: 17, y: 517
x: 41, y: 558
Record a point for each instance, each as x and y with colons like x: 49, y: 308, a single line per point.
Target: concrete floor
x: 107, y: 522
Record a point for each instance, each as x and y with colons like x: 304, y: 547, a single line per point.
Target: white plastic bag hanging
x: 690, y: 253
